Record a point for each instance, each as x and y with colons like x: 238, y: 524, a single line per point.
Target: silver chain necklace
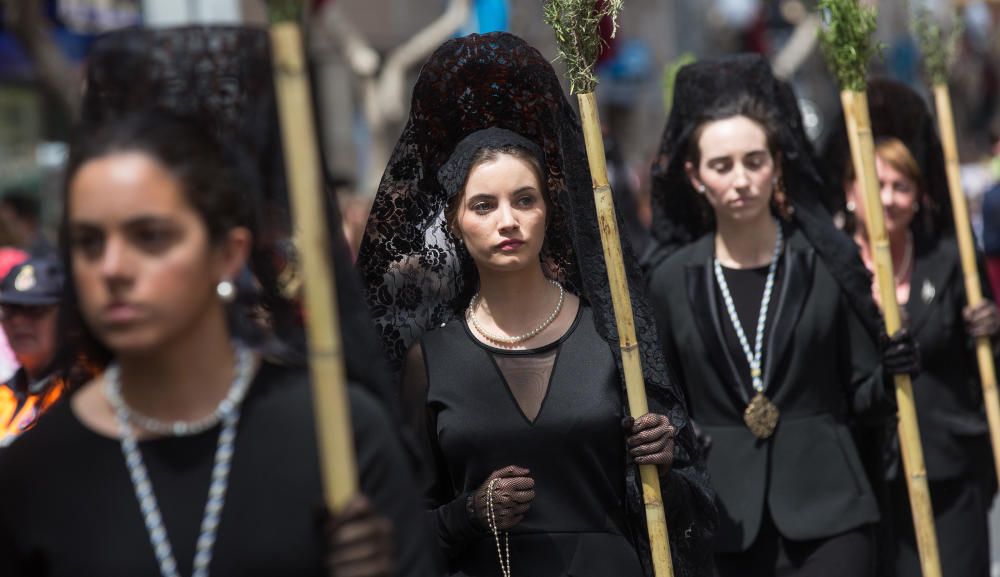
x: 761, y: 415
x: 469, y: 314
x: 221, y: 467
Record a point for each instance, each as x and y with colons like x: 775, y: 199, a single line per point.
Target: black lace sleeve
x: 447, y: 513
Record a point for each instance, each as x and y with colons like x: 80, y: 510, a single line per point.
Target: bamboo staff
x: 302, y: 165
x: 575, y: 23
x: 937, y: 53
x: 848, y: 47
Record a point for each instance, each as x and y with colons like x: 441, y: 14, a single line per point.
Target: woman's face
x: 144, y: 269
x: 502, y: 214
x: 736, y: 169
x: 897, y: 192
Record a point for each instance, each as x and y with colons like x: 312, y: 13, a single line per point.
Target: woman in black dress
x: 486, y: 276
x: 755, y: 291
x: 191, y: 452
x: 931, y: 294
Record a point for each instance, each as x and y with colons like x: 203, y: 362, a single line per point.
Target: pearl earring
x: 226, y: 291
x: 851, y: 206
x: 701, y: 189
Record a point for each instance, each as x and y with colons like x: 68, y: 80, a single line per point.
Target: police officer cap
x: 35, y: 282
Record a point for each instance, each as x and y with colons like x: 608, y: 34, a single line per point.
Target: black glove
x: 982, y: 320
x: 900, y: 354
x: 512, y: 490
x: 359, y: 541
x: 650, y: 440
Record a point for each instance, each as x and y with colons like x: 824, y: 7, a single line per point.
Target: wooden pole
x: 863, y: 157
x: 967, y: 250
x: 656, y: 519
x: 326, y: 362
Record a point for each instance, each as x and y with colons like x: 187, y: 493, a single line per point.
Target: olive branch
x: 576, y: 26
x: 847, y: 41
x: 937, y: 46
x: 284, y: 10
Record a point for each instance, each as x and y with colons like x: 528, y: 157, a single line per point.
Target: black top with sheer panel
x: 555, y: 410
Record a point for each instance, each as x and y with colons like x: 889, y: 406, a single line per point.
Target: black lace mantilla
x: 898, y: 111
x: 455, y: 171
x: 221, y: 77
x: 417, y: 279
x: 681, y: 215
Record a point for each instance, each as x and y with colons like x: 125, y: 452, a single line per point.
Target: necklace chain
x: 471, y: 315
x: 113, y: 392
x: 753, y: 356
x: 504, y: 561
x: 221, y: 468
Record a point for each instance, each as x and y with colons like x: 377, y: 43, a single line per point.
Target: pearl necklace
x: 238, y: 390
x: 221, y: 466
x: 469, y: 314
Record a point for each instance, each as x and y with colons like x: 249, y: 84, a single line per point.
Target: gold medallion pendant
x: 761, y: 416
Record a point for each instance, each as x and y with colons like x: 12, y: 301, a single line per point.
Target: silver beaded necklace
x: 470, y: 314
x: 222, y: 464
x: 753, y: 356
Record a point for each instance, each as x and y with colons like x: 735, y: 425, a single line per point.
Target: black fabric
x: 222, y: 77
x: 418, y: 279
x: 455, y: 171
x: 60, y: 512
x: 947, y: 391
x: 823, y: 374
x: 746, y: 286
x: 681, y: 215
x: 896, y: 110
x: 850, y: 553
x: 961, y: 521
x: 577, y: 524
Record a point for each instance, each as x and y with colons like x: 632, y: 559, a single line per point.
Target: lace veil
x: 681, y: 215
x: 221, y: 77
x: 418, y: 279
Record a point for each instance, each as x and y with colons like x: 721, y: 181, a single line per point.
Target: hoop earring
x: 226, y: 291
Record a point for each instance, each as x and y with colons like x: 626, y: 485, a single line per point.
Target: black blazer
x: 821, y: 370
x: 947, y: 392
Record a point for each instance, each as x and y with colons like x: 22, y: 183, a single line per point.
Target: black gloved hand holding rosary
x: 510, y: 491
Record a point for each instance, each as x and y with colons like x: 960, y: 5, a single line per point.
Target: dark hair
x: 218, y: 183
x: 489, y: 154
x: 747, y: 106
x: 23, y: 203
x: 760, y: 114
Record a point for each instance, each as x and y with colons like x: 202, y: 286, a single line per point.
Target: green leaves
x: 847, y: 41
x: 576, y: 26
x: 938, y: 48
x: 284, y: 10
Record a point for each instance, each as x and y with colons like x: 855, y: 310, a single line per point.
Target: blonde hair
x: 898, y: 156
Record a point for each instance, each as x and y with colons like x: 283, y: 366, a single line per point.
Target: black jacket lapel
x: 795, y: 285
x: 705, y: 310
x: 931, y: 267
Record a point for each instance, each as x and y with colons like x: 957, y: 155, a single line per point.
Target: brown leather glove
x: 650, y: 440
x: 982, y: 320
x: 359, y: 541
x: 513, y: 491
